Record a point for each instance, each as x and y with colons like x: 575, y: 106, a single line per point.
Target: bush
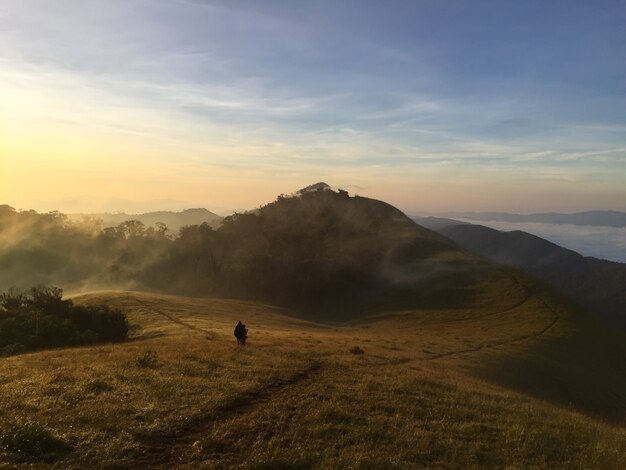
x: 106, y: 324
x: 30, y: 439
x: 147, y: 360
x: 12, y: 348
x: 39, y: 318
x: 98, y: 386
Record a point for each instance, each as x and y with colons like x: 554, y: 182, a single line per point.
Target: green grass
x: 500, y: 384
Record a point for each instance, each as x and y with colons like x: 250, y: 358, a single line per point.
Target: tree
x: 132, y: 228
x: 13, y: 300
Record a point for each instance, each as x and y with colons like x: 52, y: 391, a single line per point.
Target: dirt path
x: 528, y: 293
x: 166, y: 450
x: 548, y: 327
x: 172, y: 318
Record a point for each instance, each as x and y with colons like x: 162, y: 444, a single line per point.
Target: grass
x: 462, y: 388
x: 25, y: 439
x: 147, y: 360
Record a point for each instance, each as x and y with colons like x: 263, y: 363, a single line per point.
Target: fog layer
x: 601, y: 242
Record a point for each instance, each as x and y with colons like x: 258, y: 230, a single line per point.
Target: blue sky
x: 432, y: 105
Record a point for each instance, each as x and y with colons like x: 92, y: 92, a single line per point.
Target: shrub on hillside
x: 39, y: 318
x: 147, y: 360
x: 356, y: 350
x: 30, y: 439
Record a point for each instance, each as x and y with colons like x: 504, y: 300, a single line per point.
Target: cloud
x: 601, y: 242
x: 268, y: 89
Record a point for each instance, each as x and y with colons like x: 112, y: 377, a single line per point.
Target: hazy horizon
x: 86, y: 205
x: 431, y: 106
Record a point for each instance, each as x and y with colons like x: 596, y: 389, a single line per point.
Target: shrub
x: 30, y: 439
x: 98, y: 386
x: 39, y: 318
x: 147, y: 360
x: 12, y: 348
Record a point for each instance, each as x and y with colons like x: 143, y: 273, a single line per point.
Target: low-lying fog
x: 601, y: 242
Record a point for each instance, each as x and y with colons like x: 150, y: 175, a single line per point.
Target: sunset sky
x: 430, y: 105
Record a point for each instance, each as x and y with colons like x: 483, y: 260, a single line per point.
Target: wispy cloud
x: 352, y: 89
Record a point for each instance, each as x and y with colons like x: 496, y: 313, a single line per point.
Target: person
x: 241, y: 333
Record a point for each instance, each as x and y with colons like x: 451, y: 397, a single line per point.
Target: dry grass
x: 436, y: 389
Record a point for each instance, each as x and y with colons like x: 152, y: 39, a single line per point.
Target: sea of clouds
x: 601, y: 242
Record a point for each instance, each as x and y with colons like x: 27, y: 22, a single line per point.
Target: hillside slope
x: 596, y: 284
x: 515, y: 378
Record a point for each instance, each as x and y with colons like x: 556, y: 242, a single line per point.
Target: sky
x: 434, y: 105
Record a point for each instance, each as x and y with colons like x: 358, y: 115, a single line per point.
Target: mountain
x: 324, y: 253
x: 593, y: 218
x: 436, y: 223
x: 173, y: 220
x: 321, y: 186
x: 597, y: 284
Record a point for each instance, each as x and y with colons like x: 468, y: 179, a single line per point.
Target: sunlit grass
x: 423, y: 391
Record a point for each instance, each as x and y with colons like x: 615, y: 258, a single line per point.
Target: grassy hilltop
x: 516, y: 379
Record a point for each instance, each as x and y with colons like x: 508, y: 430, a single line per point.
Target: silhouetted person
x: 241, y: 333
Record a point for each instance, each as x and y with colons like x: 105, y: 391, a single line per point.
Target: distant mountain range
x: 596, y: 284
x: 173, y: 220
x: 594, y: 218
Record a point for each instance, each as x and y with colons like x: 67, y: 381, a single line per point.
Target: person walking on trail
x: 241, y: 333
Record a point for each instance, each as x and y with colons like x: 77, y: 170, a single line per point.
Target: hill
x: 436, y: 223
x: 596, y: 284
x: 323, y: 253
x: 374, y: 343
x: 173, y: 220
x: 516, y: 378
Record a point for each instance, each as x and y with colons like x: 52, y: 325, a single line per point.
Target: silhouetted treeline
x: 39, y: 318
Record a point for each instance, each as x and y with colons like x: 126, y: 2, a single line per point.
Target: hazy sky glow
x: 430, y: 105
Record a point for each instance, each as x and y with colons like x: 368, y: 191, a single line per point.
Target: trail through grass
x: 428, y: 389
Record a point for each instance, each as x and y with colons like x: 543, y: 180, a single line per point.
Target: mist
x: 50, y: 249
x: 600, y: 242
